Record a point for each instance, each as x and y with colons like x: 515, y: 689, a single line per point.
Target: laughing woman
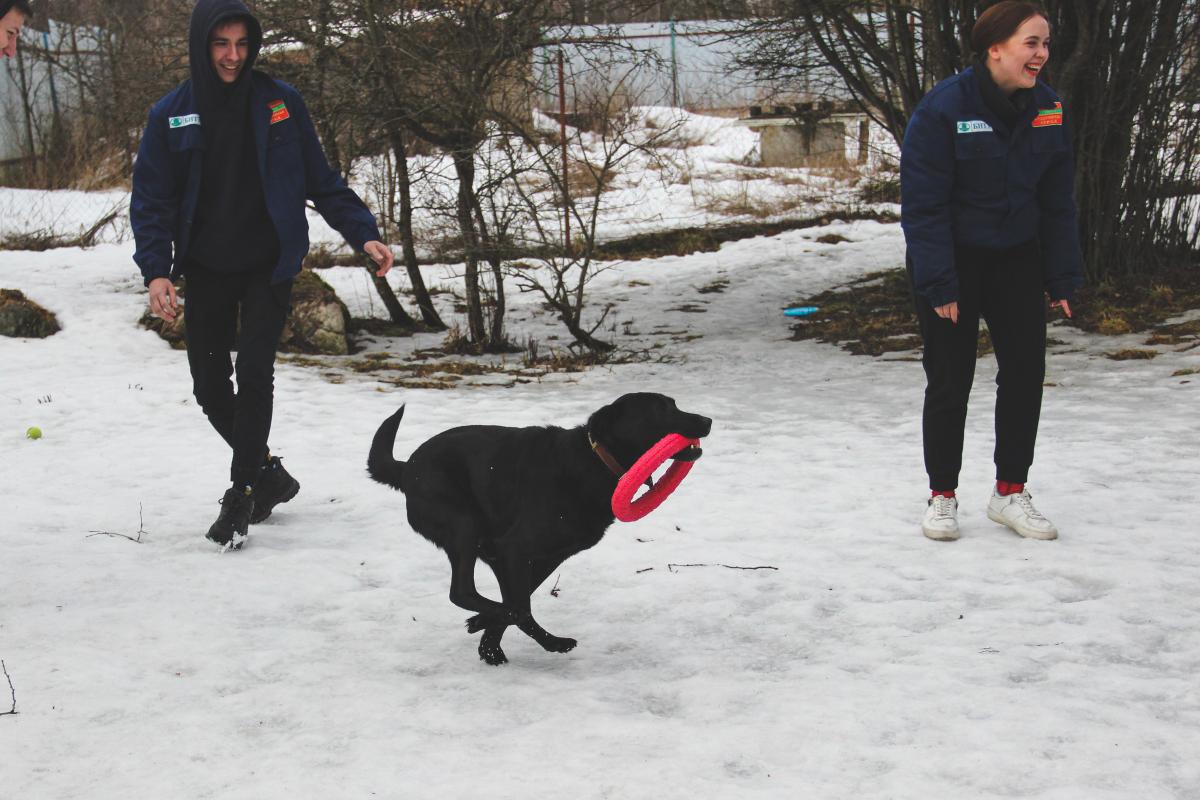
x: 988, y: 213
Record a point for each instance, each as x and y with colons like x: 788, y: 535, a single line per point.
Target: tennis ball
x: 33, y: 433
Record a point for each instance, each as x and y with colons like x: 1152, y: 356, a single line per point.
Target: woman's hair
x: 1000, y: 22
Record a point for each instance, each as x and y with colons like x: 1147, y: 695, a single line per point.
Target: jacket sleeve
x: 926, y: 190
x: 335, y: 201
x: 1062, y: 257
x: 154, y: 203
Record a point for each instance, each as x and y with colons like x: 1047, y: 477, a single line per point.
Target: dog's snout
x: 696, y: 426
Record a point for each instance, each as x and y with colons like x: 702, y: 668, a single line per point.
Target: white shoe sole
x: 1028, y: 533
x: 939, y: 535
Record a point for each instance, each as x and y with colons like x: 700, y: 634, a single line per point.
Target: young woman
x: 989, y: 219
x: 13, y: 14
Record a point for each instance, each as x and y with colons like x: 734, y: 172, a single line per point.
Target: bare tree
x: 544, y: 191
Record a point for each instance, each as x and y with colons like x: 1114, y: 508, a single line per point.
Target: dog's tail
x: 381, y: 466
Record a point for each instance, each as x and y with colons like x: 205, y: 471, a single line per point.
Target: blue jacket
x: 291, y: 163
x: 967, y: 179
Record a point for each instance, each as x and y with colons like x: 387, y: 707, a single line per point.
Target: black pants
x: 1005, y: 288
x: 216, y: 305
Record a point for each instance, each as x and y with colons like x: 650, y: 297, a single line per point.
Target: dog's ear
x: 600, y: 423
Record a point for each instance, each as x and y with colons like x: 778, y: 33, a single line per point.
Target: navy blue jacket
x: 966, y: 178
x: 291, y: 163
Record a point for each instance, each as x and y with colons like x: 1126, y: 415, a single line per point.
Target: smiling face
x: 228, y: 47
x: 1016, y: 62
x: 10, y: 28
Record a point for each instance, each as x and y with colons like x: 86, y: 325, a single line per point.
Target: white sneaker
x: 941, y: 519
x: 1017, y: 512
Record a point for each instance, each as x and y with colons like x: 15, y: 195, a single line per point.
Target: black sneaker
x: 233, y: 524
x: 274, y: 486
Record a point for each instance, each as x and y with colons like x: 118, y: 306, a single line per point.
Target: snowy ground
x: 325, y: 659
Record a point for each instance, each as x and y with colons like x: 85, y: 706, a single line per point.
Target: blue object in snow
x: 800, y: 311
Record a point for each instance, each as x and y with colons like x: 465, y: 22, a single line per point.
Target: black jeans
x: 1005, y: 288
x: 223, y: 310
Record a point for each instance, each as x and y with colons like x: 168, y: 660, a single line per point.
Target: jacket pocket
x: 186, y: 138
x: 1049, y: 139
x: 980, y: 161
x: 969, y: 146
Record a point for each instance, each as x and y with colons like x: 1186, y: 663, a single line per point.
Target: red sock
x: 1004, y: 488
x: 936, y: 493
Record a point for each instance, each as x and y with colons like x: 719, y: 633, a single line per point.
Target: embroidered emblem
x: 1048, y: 116
x: 973, y: 126
x: 183, y: 122
x: 279, y: 111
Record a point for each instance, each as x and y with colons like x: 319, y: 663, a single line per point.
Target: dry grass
x: 1132, y: 354
x: 1132, y: 304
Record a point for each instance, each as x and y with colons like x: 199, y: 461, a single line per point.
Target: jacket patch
x: 183, y: 122
x: 279, y: 111
x: 973, y: 126
x: 1048, y: 116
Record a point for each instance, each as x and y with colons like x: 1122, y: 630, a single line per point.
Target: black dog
x: 523, y: 499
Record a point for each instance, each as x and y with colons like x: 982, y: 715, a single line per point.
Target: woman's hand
x: 950, y: 311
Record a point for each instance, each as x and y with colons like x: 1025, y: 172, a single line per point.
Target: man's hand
x: 948, y: 311
x: 1064, y: 305
x: 163, y: 302
x: 381, y: 254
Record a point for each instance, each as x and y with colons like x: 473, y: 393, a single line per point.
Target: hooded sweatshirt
x: 233, y: 231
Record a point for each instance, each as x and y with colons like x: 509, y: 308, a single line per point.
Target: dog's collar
x: 604, y: 455
x: 609, y: 460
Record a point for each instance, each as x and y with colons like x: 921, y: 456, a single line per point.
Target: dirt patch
x: 1141, y: 303
x: 831, y: 238
x: 874, y: 314
x: 870, y: 316
x: 1132, y: 354
x: 706, y: 240
x: 716, y: 287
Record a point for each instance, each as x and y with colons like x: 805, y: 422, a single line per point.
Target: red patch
x: 279, y: 111
x: 1049, y: 116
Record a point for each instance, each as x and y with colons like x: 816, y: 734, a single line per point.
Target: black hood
x: 210, y: 90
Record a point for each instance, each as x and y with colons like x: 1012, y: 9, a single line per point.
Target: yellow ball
x: 33, y: 433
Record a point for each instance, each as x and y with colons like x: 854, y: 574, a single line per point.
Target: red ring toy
x: 624, y: 507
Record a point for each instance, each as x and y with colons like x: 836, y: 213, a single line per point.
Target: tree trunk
x: 464, y: 169
x: 408, y: 248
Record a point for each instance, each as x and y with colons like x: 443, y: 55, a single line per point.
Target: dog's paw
x: 492, y: 654
x: 558, y: 644
x: 476, y: 623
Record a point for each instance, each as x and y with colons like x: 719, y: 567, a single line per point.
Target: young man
x: 13, y: 14
x: 226, y: 163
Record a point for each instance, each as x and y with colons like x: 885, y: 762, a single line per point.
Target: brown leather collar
x: 609, y: 460
x: 600, y: 450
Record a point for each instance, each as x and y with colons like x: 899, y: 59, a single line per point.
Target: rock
x: 21, y: 317
x: 172, y: 332
x: 319, y: 320
x: 317, y: 325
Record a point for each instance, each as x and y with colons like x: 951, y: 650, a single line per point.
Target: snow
x: 325, y: 659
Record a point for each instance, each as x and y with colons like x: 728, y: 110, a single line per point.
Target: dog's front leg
x: 516, y: 584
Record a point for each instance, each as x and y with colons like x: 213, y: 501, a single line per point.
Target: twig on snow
x: 554, y: 591
x: 141, y: 530
x: 13, y: 711
x: 673, y: 567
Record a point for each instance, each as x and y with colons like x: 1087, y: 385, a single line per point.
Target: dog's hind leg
x: 462, y: 554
